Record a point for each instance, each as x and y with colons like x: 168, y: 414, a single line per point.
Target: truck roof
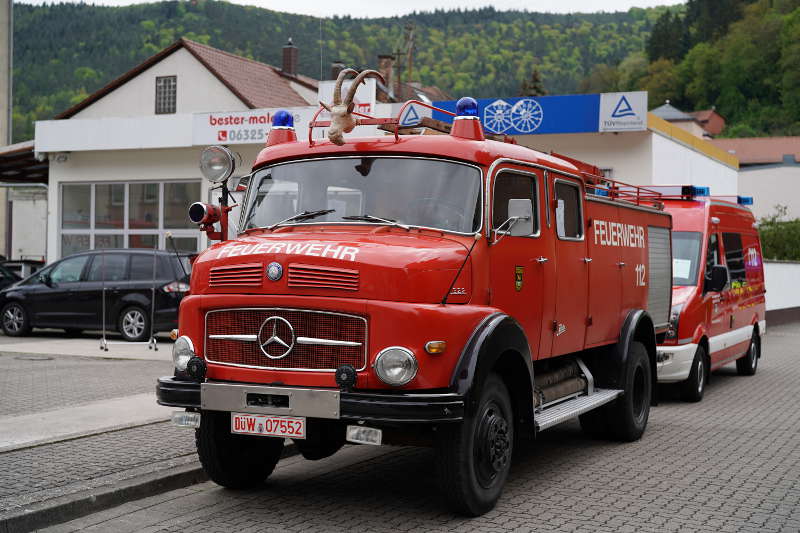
x: 483, y: 152
x: 692, y: 215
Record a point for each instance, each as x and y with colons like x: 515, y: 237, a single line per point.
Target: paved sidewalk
x: 48, y: 342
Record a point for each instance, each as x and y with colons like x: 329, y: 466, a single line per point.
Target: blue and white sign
x: 577, y: 113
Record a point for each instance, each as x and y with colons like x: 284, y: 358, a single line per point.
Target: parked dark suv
x: 69, y: 294
x: 7, y: 277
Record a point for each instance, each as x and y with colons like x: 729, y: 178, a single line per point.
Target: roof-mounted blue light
x: 282, y: 119
x: 601, y: 192
x: 745, y: 200
x: 467, y: 107
x: 693, y: 190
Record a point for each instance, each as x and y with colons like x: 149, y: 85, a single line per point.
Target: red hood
x: 360, y: 262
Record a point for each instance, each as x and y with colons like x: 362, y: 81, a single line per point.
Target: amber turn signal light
x: 435, y: 347
x: 173, y: 334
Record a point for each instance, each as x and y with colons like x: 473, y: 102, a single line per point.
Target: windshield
x: 685, y: 257
x: 409, y: 191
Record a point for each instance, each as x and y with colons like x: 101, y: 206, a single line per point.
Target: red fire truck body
x: 718, y: 298
x: 479, y: 292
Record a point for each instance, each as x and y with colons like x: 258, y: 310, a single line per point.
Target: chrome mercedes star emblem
x: 274, y: 271
x: 277, y: 336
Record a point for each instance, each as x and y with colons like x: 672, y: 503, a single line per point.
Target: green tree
x: 533, y: 86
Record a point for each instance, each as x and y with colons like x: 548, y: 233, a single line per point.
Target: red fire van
x: 718, y: 301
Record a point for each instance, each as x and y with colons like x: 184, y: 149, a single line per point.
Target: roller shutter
x: 659, y: 281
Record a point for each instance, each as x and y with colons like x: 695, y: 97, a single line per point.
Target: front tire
x: 695, y: 385
x: 474, y: 457
x: 15, y: 320
x: 134, y: 324
x: 234, y: 461
x: 629, y: 413
x: 748, y: 364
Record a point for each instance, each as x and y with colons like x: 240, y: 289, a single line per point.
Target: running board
x: 552, y: 416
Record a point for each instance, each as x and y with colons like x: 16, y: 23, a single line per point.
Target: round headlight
x: 396, y: 366
x: 182, y: 351
x: 217, y: 163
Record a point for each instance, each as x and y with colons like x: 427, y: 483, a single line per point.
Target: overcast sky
x: 371, y: 8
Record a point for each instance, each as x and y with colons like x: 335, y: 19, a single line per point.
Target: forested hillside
x: 742, y: 56
x: 63, y: 52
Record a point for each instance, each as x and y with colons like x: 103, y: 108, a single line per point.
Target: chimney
x: 336, y: 67
x: 289, y: 59
x: 386, y: 68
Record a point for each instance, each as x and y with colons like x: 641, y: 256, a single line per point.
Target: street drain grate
x: 34, y: 358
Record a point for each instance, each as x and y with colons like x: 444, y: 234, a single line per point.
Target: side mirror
x: 520, y: 212
x: 718, y: 279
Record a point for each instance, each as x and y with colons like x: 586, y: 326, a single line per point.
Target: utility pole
x: 6, y: 51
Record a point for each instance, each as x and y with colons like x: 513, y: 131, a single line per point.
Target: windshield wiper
x: 371, y: 218
x: 304, y: 215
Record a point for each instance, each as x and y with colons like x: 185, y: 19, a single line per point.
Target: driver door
x: 516, y: 276
x: 53, y: 304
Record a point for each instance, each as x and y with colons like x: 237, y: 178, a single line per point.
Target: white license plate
x: 364, y: 435
x: 290, y: 427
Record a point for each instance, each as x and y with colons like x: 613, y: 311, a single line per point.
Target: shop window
x: 569, y: 220
x: 143, y: 205
x: 71, y: 244
x: 177, y: 198
x: 734, y: 256
x: 508, y: 186
x: 143, y: 241
x: 166, y: 94
x: 76, y: 204
x: 109, y: 241
x: 182, y: 244
x: 109, y: 205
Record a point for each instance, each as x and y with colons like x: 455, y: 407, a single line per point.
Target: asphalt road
x: 730, y: 463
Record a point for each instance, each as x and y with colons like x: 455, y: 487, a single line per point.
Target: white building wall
x: 627, y: 154
x: 198, y: 90
x: 674, y: 163
x: 772, y: 186
x: 783, y: 291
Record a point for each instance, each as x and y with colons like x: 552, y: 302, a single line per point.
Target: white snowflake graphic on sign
x: 526, y: 115
x: 497, y: 116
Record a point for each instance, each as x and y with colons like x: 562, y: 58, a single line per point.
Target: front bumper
x: 675, y: 362
x: 405, y: 408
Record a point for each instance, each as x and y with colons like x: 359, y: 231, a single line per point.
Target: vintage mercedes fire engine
x: 443, y: 290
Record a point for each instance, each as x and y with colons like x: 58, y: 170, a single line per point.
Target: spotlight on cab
x: 218, y: 163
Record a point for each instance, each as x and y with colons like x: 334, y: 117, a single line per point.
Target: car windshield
x: 685, y: 257
x: 367, y: 190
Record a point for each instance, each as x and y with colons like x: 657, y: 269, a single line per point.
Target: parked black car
x: 69, y: 294
x: 7, y: 277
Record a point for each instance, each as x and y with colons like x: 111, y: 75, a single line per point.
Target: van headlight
x: 674, y: 319
x: 182, y: 351
x: 396, y: 366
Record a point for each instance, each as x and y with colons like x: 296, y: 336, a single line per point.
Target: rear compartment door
x: 572, y: 266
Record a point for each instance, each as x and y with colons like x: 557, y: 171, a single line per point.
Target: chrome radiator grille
x: 258, y: 338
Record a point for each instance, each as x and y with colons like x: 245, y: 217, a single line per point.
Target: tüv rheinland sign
x: 575, y: 113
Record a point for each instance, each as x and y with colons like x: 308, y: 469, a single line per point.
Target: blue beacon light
x: 282, y: 119
x: 745, y: 200
x: 467, y: 107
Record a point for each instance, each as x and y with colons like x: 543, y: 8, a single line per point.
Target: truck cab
x: 718, y: 295
x: 450, y: 290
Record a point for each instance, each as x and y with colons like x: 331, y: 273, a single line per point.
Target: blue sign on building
x: 576, y: 113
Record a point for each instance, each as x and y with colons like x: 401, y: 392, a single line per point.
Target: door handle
x: 621, y: 264
x: 542, y: 260
x: 587, y: 259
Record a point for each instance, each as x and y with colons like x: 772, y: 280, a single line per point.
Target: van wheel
x: 134, y: 324
x: 234, y: 461
x: 473, y: 458
x: 695, y: 385
x: 748, y: 363
x: 628, y: 414
x: 15, y: 320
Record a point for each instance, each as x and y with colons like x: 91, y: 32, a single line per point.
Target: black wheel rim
x: 492, y: 445
x: 639, y: 395
x: 753, y: 354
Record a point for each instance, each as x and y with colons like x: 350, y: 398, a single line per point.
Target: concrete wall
x: 783, y: 290
x: 627, y: 154
x: 771, y: 186
x: 197, y: 88
x: 675, y: 163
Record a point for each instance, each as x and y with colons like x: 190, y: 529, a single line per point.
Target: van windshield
x: 362, y: 190
x: 685, y: 257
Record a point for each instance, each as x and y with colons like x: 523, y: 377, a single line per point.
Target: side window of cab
x: 513, y: 186
x: 712, y: 257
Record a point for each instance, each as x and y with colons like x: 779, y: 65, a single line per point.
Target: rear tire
x: 15, y: 320
x: 695, y: 385
x: 473, y: 458
x: 234, y: 461
x: 748, y: 363
x: 134, y: 324
x: 628, y: 414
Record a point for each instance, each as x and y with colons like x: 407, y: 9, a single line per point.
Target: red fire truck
x: 718, y: 297
x: 441, y: 290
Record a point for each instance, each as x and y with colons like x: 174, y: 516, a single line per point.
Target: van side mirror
x: 718, y: 279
